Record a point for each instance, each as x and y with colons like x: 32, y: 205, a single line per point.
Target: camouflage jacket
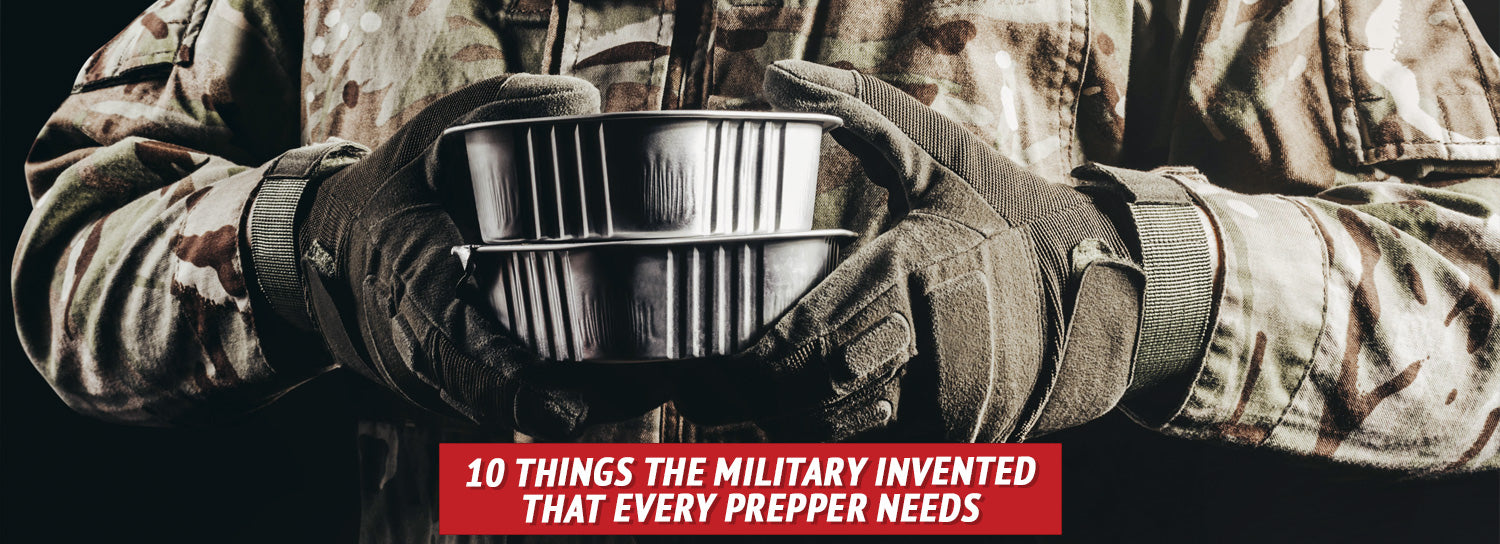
x: 1346, y: 153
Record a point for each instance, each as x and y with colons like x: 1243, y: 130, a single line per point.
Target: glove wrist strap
x: 1177, y: 309
x: 276, y: 210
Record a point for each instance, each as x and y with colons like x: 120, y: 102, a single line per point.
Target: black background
x: 288, y: 473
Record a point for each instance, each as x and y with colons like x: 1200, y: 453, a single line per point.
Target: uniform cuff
x: 1270, y: 255
x: 275, y: 211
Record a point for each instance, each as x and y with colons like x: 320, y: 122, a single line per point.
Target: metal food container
x: 644, y: 174
x: 649, y: 300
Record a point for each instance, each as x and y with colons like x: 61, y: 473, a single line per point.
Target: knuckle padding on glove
x: 983, y: 318
x: 963, y: 352
x: 872, y: 353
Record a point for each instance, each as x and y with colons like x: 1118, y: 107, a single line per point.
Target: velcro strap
x: 1176, y: 256
x: 274, y: 213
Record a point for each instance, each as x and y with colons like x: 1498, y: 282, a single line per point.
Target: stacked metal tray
x: 646, y: 236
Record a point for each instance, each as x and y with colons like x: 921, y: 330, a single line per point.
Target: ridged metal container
x: 644, y: 174
x: 649, y: 300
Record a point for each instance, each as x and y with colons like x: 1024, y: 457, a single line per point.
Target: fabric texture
x: 1346, y: 153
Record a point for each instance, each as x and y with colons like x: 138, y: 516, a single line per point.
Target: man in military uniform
x: 1267, y: 224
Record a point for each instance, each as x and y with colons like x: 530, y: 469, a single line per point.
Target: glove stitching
x: 384, y: 373
x: 907, y: 270
x: 1051, y: 366
x: 822, y: 339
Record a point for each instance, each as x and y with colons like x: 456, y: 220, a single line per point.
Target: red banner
x: 750, y: 489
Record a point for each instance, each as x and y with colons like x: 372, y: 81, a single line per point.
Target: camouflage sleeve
x: 130, y: 293
x: 1355, y: 324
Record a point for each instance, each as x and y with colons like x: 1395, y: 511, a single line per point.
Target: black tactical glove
x: 999, y: 306
x: 385, y: 293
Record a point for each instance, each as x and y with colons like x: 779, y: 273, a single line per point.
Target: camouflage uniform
x: 1346, y: 154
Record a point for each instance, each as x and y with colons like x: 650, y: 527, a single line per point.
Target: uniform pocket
x: 162, y: 37
x: 1411, y: 80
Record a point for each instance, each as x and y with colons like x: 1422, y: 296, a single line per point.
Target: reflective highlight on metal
x: 644, y: 174
x: 649, y: 300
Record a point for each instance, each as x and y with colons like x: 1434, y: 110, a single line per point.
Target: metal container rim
x: 654, y: 242
x: 828, y: 122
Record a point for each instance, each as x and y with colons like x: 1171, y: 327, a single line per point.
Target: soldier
x: 1294, y: 246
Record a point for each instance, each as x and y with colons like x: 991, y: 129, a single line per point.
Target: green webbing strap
x: 274, y: 213
x: 1176, y: 255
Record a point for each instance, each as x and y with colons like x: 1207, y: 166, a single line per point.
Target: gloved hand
x: 999, y: 306
x: 386, y: 295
